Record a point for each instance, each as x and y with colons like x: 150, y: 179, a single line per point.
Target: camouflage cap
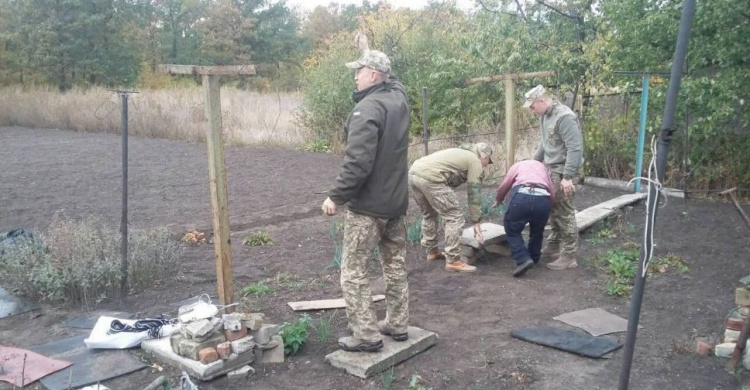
x: 372, y: 59
x: 483, y: 149
x: 532, y: 95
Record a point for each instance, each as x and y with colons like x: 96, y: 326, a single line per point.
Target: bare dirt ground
x: 280, y: 191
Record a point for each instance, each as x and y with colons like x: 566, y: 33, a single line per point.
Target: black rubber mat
x: 567, y: 340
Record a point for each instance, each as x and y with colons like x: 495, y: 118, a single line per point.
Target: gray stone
x: 492, y: 233
x: 731, y: 336
x: 745, y: 281
x: 190, y: 348
x: 241, y: 373
x: 364, y: 365
x: 196, y: 328
x: 243, y: 345
x: 253, y: 321
x: 264, y: 334
x: 271, y: 344
x: 162, y: 351
x: 724, y: 350
x: 232, y: 321
x: 274, y: 355
x: 498, y: 249
x: 468, y: 251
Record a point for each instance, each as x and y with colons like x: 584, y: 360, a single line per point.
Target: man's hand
x: 568, y: 187
x: 329, y: 208
x: 478, y: 233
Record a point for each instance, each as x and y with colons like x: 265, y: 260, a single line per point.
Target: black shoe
x: 521, y: 269
x: 385, y: 330
x: 353, y: 344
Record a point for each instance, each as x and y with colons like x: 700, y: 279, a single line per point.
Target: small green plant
x: 621, y: 265
x: 295, y: 334
x: 317, y: 146
x: 670, y: 261
x: 387, y: 378
x: 323, y: 328
x: 414, y: 383
x: 260, y: 238
x: 487, y: 201
x: 336, y: 229
x: 414, y: 231
x: 618, y: 289
x: 338, y: 253
x: 286, y: 280
x: 257, y: 289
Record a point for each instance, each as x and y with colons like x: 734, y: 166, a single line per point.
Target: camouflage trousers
x: 362, y: 234
x: 437, y: 199
x: 563, y: 219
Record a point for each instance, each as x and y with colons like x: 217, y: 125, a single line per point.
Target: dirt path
x: 280, y: 191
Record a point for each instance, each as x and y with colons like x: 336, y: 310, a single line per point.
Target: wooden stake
x: 510, y: 142
x: 217, y: 174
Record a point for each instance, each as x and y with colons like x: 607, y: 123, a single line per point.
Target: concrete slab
x: 492, y: 232
x: 364, y: 364
x: 11, y: 305
x: 162, y: 350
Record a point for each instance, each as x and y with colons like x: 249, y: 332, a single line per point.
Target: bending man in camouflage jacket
x: 432, y: 179
x: 561, y: 150
x: 373, y: 181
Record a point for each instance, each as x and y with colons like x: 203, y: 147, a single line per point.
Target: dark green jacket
x: 374, y: 177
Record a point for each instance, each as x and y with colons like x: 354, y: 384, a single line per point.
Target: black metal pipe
x: 665, y: 137
x: 124, y: 217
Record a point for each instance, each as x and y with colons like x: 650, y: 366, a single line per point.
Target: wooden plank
x: 325, y: 304
x: 217, y: 174
x: 512, y: 76
x: 510, y: 116
x: 225, y: 70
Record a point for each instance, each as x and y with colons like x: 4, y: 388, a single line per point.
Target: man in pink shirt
x: 530, y: 194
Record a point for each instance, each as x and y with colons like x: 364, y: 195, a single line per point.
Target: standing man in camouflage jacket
x: 432, y: 179
x: 373, y: 182
x: 561, y: 150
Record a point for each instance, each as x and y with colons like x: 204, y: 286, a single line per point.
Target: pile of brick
x: 735, y: 323
x: 242, y: 336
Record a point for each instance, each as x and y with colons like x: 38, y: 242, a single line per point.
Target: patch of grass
x: 286, y: 280
x: 338, y: 254
x: 323, y: 328
x: 257, y: 289
x: 621, y: 265
x: 670, y: 261
x: 260, y: 238
x: 387, y: 378
x: 295, y: 334
x: 336, y: 228
x: 414, y: 383
x: 414, y: 231
x: 317, y: 146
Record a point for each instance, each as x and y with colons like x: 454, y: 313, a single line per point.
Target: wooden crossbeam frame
x: 217, y: 171
x: 510, y: 118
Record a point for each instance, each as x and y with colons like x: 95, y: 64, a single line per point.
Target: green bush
x: 79, y: 262
x: 295, y: 334
x: 257, y: 289
x: 258, y: 239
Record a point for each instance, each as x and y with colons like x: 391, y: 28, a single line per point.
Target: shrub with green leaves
x: 295, y: 334
x: 79, y: 261
x: 257, y: 289
x: 260, y: 238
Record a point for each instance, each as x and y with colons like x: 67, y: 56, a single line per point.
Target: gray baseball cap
x: 484, y: 149
x: 372, y: 59
x: 532, y: 95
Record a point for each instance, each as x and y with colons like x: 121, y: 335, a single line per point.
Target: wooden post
x: 217, y: 172
x: 510, y: 142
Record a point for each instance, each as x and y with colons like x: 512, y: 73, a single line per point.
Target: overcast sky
x: 413, y: 4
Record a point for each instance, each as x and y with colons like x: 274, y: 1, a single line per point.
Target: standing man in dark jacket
x: 373, y: 182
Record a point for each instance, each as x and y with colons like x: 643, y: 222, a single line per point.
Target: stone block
x: 162, y: 352
x: 746, y: 357
x: 731, y: 336
x: 744, y: 311
x: 174, y: 341
x: 364, y: 365
x: 264, y: 334
x: 196, y: 328
x: 492, y: 232
x: 241, y: 373
x: 253, y: 321
x: 274, y: 355
x: 498, y: 249
x: 233, y: 335
x: 224, y: 350
x: 468, y: 251
x: 243, y: 345
x: 232, y: 321
x: 208, y: 355
x: 742, y: 296
x: 190, y: 348
x: 724, y: 350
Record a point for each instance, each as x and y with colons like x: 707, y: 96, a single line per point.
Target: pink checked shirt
x: 526, y: 172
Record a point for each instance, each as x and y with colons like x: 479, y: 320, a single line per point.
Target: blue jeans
x: 523, y: 209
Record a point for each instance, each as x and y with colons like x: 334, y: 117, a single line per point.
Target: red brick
x: 208, y: 355
x: 735, y: 324
x: 235, y: 334
x: 224, y: 350
x: 703, y: 348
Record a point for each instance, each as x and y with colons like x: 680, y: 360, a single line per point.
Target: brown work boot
x: 435, y: 255
x: 459, y: 266
x: 386, y: 330
x: 563, y: 262
x: 353, y: 344
x: 551, y: 249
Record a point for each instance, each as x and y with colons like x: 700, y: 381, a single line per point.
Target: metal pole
x: 425, y: 132
x: 641, y: 132
x: 688, y: 11
x: 124, y: 218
